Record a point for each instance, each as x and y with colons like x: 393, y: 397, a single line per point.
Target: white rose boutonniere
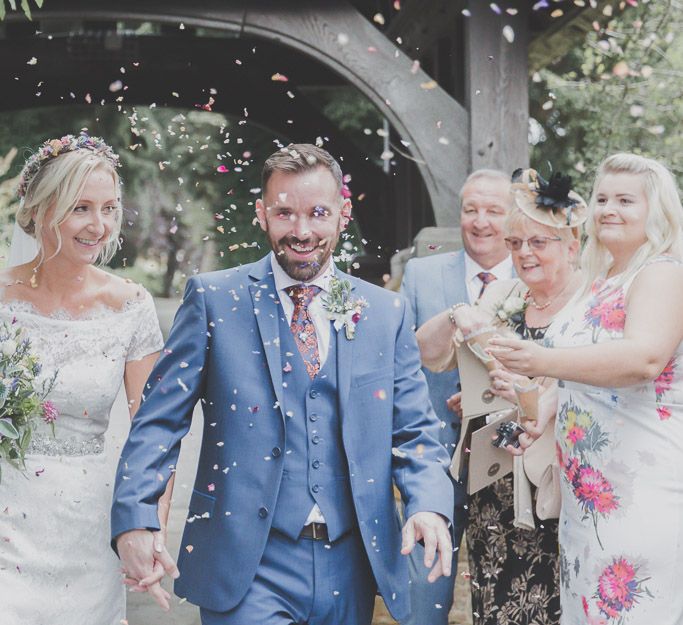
x: 342, y: 308
x: 511, y: 310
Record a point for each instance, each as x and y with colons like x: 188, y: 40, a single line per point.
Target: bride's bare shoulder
x: 13, y: 281
x: 117, y: 292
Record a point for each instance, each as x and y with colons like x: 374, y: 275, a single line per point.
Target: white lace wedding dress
x: 56, y: 564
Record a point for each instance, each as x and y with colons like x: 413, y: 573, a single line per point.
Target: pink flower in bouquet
x: 571, y: 469
x: 50, y: 412
x: 618, y: 588
x: 594, y: 491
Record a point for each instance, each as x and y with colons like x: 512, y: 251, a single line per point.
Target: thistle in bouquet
x: 22, y: 396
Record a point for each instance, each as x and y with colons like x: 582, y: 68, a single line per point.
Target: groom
x: 314, y: 404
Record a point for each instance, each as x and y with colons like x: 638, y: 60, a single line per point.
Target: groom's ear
x: 261, y: 211
x: 346, y: 213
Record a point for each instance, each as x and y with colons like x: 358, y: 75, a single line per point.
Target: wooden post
x: 496, y: 86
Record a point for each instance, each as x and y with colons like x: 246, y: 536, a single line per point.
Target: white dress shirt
x: 320, y: 320
x: 504, y: 270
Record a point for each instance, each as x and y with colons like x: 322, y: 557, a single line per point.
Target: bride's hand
x: 145, y: 560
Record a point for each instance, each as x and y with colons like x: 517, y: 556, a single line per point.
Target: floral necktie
x: 486, y: 278
x: 302, y: 326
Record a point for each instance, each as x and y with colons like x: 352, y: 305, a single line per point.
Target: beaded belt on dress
x: 46, y: 445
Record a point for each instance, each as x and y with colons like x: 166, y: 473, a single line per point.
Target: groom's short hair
x: 297, y: 158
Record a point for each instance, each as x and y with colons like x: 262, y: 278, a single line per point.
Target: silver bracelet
x: 452, y: 309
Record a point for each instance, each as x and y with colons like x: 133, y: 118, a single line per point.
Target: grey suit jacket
x: 431, y: 284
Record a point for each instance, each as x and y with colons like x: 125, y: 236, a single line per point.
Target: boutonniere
x: 511, y: 310
x: 342, y: 308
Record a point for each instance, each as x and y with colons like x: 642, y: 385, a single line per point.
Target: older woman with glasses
x: 515, y: 566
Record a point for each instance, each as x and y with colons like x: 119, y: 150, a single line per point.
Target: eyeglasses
x: 538, y: 243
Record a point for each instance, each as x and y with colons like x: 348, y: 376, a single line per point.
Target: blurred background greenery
x: 191, y: 176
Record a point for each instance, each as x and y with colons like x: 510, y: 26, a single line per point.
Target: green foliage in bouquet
x: 22, y: 398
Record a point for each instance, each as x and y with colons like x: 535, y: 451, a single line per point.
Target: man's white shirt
x: 504, y: 270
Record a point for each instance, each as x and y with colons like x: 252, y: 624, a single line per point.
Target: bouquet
x: 22, y: 399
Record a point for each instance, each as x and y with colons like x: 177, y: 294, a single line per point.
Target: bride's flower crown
x: 54, y: 147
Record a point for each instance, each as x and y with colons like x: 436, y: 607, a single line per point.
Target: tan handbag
x: 540, y: 466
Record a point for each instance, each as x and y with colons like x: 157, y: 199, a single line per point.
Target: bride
x: 94, y: 330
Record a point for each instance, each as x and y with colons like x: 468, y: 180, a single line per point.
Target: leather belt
x: 315, y: 531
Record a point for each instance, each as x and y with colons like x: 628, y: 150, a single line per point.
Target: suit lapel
x: 267, y: 310
x: 344, y: 355
x: 454, y: 286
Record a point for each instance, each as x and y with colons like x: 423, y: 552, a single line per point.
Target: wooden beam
x: 496, y: 87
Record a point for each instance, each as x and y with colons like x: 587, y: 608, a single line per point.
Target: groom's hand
x: 145, y: 561
x: 431, y: 528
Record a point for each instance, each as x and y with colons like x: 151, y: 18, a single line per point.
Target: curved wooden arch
x: 434, y: 128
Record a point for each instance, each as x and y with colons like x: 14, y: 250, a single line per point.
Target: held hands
x: 430, y: 528
x: 519, y: 356
x: 145, y: 561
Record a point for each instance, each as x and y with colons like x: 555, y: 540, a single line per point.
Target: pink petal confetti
x: 211, y: 487
x: 495, y: 8
x: 287, y: 368
x: 117, y: 85
x: 380, y: 394
x: 278, y: 77
x: 222, y: 169
x: 378, y: 18
x: 32, y: 61
x: 207, y: 106
x: 543, y: 4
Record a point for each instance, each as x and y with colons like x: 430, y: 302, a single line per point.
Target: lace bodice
x: 89, y: 354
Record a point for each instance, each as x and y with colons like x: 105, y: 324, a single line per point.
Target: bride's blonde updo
x: 54, y: 177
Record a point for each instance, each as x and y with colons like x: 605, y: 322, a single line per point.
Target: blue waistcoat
x: 315, y: 467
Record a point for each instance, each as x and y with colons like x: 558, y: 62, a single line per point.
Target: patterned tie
x: 302, y: 326
x: 486, y: 278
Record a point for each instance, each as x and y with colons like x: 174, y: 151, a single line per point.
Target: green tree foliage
x: 25, y: 6
x: 621, y: 90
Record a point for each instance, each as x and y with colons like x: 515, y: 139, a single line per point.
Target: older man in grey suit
x: 432, y: 284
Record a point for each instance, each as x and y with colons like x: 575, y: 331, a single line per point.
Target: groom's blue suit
x: 226, y: 350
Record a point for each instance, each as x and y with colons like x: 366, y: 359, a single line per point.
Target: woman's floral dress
x: 515, y: 572
x: 621, y: 456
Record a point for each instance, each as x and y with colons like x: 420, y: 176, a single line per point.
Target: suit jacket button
x: 315, y: 464
x: 276, y: 452
x: 263, y: 512
x: 315, y: 440
x: 315, y: 488
x: 313, y: 394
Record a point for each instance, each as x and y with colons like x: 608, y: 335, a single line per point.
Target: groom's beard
x: 306, y: 270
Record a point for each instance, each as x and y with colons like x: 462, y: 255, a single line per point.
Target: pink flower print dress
x: 621, y: 458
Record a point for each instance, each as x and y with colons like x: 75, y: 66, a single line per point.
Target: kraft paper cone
x: 478, y: 344
x: 527, y: 400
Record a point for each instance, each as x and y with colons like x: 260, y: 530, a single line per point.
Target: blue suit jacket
x: 223, y: 350
x: 431, y: 284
